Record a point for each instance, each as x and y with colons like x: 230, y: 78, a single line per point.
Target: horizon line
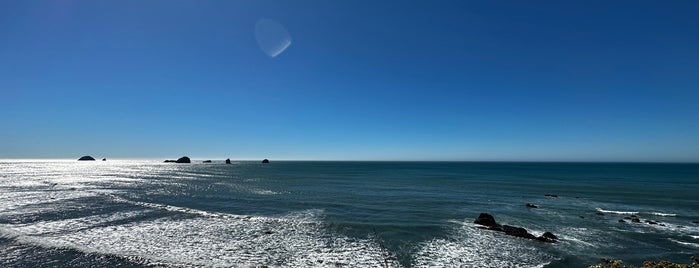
x: 375, y: 160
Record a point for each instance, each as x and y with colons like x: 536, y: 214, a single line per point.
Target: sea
x: 145, y: 213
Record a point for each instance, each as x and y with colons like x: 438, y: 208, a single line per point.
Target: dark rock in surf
x: 549, y: 235
x: 695, y: 222
x: 86, y: 158
x: 517, y: 231
x: 531, y: 205
x: 651, y: 222
x: 622, y: 220
x: 206, y: 161
x: 488, y: 220
x: 635, y: 220
x: 551, y: 195
x: 104, y: 159
x: 599, y: 213
x: 265, y: 161
x: 170, y: 161
x: 228, y: 161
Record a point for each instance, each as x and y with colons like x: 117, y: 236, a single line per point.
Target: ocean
x: 124, y: 213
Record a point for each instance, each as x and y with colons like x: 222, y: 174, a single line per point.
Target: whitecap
x: 663, y: 214
x: 617, y: 212
x: 210, y: 241
x: 685, y: 243
x: 469, y: 246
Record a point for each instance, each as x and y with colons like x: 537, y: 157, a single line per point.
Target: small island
x: 86, y: 158
x: 183, y: 159
x: 265, y: 161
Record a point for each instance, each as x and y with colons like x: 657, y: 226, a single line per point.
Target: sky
x: 351, y: 80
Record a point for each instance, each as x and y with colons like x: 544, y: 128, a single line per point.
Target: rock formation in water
x: 265, y: 161
x: 228, y: 161
x: 86, y: 158
x: 488, y: 220
x: 531, y: 205
x: 206, y: 161
x: 104, y: 159
x: 183, y: 159
x: 551, y: 195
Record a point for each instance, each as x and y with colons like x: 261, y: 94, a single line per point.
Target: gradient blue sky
x: 362, y: 80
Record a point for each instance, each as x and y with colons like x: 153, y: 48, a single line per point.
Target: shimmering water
x: 300, y: 214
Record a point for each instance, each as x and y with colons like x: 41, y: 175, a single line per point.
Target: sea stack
x: 183, y: 159
x: 228, y: 161
x: 86, y: 158
x: 265, y: 161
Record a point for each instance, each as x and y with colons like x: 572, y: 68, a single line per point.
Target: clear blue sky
x: 361, y: 80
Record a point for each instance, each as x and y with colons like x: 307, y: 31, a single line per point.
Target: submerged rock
x: 488, y: 220
x: 228, y: 161
x: 635, y: 220
x: 622, y: 220
x: 86, y: 158
x: 531, y: 205
x: 599, y: 213
x: 265, y: 161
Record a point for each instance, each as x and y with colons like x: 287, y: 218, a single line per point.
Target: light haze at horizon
x: 450, y: 80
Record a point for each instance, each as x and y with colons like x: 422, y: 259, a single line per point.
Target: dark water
x: 146, y: 213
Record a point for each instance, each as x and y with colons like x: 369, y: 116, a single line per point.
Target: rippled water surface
x: 64, y: 213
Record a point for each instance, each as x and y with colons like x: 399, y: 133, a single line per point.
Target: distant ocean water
x: 120, y: 213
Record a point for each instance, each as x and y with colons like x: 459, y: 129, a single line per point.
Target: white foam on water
x: 689, y: 244
x: 208, y: 239
x: 663, y: 214
x: 470, y: 246
x: 617, y: 212
x: 580, y: 237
